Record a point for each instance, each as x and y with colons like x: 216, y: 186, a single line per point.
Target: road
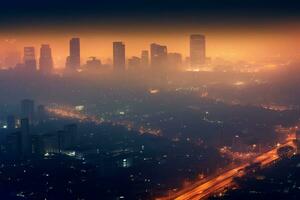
x: 224, y: 180
x: 201, y: 189
x: 69, y: 113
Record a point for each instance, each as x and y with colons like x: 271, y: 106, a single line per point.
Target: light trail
x: 204, y: 188
x: 69, y: 113
x: 199, y: 190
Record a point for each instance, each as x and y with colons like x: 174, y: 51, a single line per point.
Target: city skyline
x: 248, y: 46
x: 60, y: 61
x: 149, y: 99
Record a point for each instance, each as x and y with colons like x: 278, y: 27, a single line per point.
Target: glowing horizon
x: 241, y: 43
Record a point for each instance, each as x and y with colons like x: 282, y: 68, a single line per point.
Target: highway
x: 200, y: 189
x: 208, y: 187
x: 69, y: 113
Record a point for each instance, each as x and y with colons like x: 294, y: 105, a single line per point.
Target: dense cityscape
x: 174, y: 106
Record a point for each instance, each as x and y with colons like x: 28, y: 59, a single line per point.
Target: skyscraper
x: 74, y: 57
x: 46, y: 62
x: 197, y: 50
x: 159, y: 56
x: 119, y: 55
x: 29, y: 58
x: 145, y: 58
x: 27, y: 109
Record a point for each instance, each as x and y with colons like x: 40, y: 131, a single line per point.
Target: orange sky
x: 230, y: 43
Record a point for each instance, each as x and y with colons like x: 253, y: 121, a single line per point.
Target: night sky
x: 139, y: 12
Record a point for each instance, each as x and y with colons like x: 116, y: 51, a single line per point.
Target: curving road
x: 226, y: 179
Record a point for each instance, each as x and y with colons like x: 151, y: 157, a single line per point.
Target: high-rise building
x: 73, y: 61
x: 174, y: 60
x: 197, y: 50
x: 134, y: 63
x: 27, y: 109
x: 145, y: 58
x: 46, y: 61
x: 119, y: 55
x: 159, y: 56
x: 29, y: 58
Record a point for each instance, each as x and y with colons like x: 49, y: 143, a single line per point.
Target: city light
x: 150, y: 100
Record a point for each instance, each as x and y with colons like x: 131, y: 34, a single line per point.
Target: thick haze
x: 234, y: 29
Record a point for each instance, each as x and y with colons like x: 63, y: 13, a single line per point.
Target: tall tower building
x: 29, y: 58
x: 197, y: 50
x: 145, y: 58
x: 46, y: 62
x: 74, y: 57
x: 119, y: 55
x: 159, y: 55
x: 27, y: 109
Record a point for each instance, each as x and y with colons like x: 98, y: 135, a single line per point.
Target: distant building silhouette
x: 197, y: 50
x: 93, y: 63
x: 46, y: 61
x: 27, y: 109
x: 73, y: 61
x: 174, y: 60
x: 134, y: 63
x: 119, y: 56
x: 159, y: 55
x: 29, y: 59
x: 145, y: 58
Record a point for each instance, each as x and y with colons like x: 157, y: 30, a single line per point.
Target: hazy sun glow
x: 259, y: 43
